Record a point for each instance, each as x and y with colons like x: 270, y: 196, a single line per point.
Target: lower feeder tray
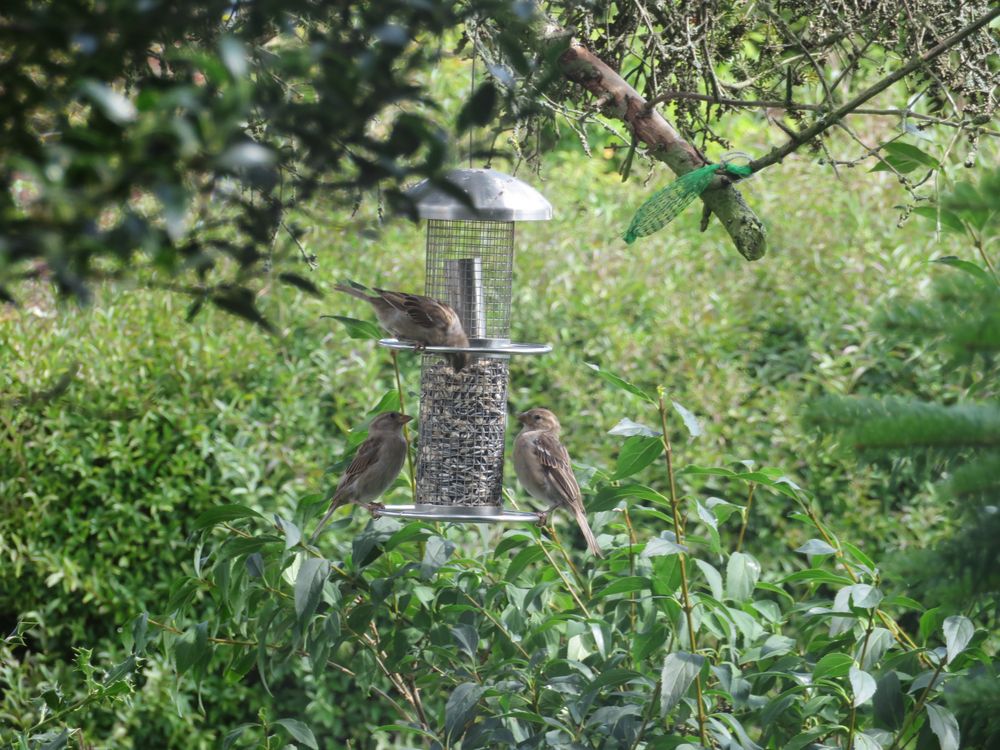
x: 488, y: 348
x: 458, y: 514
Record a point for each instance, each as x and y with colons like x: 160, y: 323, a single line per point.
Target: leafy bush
x: 504, y: 637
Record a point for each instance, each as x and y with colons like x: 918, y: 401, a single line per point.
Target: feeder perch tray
x: 458, y: 514
x: 482, y: 348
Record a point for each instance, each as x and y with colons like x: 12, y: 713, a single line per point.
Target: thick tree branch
x: 581, y: 66
x: 829, y: 120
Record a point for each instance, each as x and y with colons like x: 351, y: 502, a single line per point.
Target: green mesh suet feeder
x: 463, y: 416
x: 667, y: 204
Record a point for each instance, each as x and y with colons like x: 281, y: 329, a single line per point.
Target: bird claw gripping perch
x: 543, y: 518
x: 375, y: 509
x: 667, y: 204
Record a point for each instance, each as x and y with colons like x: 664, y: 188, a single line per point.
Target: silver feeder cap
x: 495, y: 196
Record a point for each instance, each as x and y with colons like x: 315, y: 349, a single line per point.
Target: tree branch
x: 777, y: 155
x: 581, y: 66
x: 670, y: 96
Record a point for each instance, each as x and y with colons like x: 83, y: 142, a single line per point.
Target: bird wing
x: 424, y: 311
x: 554, y: 459
x: 364, y: 459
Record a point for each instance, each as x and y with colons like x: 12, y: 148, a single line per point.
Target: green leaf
x: 713, y: 577
x: 309, y: 586
x: 958, y: 631
x: 627, y: 428
x: 521, y: 560
x: 879, y: 642
x: 742, y: 574
x: 659, y: 546
x: 58, y: 742
x: 388, y: 402
x: 930, y: 621
x: 299, y: 731
x: 904, y: 158
x: 949, y: 219
x: 620, y: 383
x: 865, y: 596
x: 944, y: 726
x: 358, y: 329
x: 888, y: 702
x: 222, y: 513
x: 690, y: 420
x: 139, y: 630
x: 300, y: 282
x: 460, y: 709
x: 679, y: 671
x: 776, y: 645
x: 835, y: 664
x: 636, y: 454
x: 293, y: 535
x: 625, y: 585
x: 607, y: 497
x: 478, y: 110
x: 191, y: 649
x: 968, y: 267
x: 816, y: 547
x: 862, y: 686
x: 436, y: 554
x: 234, y: 734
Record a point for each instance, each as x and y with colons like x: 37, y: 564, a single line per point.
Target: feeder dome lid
x: 494, y: 196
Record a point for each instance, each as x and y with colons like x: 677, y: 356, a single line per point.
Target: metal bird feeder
x: 463, y: 416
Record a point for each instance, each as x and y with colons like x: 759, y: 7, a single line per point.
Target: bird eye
x: 537, y: 417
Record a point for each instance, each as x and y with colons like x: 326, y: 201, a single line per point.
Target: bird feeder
x: 463, y: 415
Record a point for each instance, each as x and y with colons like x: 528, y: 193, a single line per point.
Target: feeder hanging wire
x: 667, y: 204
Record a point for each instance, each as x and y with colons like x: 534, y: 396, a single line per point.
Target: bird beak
x: 522, y: 417
x: 404, y: 418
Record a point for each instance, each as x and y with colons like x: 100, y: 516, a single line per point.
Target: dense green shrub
x: 271, y: 414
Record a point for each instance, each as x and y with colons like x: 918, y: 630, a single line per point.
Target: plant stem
x: 861, y: 660
x: 679, y: 534
x: 917, y: 708
x: 569, y: 586
x: 746, y: 516
x: 981, y: 247
x: 406, y: 431
x: 631, y: 566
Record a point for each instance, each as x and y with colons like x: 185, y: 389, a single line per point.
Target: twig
x: 669, y: 96
x: 825, y: 122
x: 746, y: 516
x: 681, y: 558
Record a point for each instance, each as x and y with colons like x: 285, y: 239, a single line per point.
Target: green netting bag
x: 665, y: 205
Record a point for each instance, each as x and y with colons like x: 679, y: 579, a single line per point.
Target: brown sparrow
x: 375, y: 466
x: 543, y: 468
x: 427, y: 321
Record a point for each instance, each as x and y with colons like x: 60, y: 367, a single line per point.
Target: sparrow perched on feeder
x: 375, y: 466
x: 427, y: 321
x: 543, y: 468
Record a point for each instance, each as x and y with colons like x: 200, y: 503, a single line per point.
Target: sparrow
x: 427, y: 321
x: 375, y: 466
x: 543, y: 468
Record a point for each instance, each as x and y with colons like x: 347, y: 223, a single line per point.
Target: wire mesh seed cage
x: 463, y: 415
